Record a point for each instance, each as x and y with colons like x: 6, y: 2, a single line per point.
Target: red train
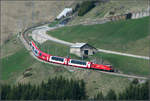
x: 68, y: 61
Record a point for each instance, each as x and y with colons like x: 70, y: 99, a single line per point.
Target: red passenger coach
x: 78, y: 63
x: 58, y: 60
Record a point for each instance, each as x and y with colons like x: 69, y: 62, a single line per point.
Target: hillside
x: 117, y: 6
x: 13, y: 67
x: 18, y: 66
x: 122, y: 63
x: 129, y: 36
x: 17, y: 15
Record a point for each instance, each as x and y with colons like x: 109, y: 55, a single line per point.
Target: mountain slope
x: 131, y: 36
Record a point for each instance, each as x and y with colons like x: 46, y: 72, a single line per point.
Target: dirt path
x: 41, y: 33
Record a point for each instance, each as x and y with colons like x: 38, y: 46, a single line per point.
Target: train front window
x: 78, y: 62
x: 57, y: 58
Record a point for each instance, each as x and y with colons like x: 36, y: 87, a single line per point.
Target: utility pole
x: 68, y: 53
x: 102, y: 59
x: 48, y: 49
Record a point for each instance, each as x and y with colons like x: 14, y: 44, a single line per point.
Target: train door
x: 48, y: 58
x: 89, y: 64
x: 65, y: 61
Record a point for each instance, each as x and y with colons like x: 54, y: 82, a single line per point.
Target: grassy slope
x: 103, y: 82
x: 42, y: 71
x: 11, y: 47
x: 54, y: 23
x: 15, y: 63
x: 19, y: 14
x: 95, y: 81
x: 14, y: 66
x: 56, y: 49
x: 124, y: 64
x: 126, y: 36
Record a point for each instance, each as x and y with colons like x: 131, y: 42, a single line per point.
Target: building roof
x: 78, y: 45
x: 64, y: 12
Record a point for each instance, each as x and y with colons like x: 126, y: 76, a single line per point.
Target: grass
x: 124, y: 64
x: 129, y: 36
x: 56, y: 49
x: 16, y: 63
x: 54, y: 23
x: 127, y: 65
x: 11, y: 47
x: 42, y: 71
x: 94, y: 80
x: 97, y: 82
x: 43, y: 11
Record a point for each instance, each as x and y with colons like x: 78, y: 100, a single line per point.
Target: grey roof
x: 78, y: 45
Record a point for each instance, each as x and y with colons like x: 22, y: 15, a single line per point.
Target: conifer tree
x: 99, y: 96
x: 111, y: 95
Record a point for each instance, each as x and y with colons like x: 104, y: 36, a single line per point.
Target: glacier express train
x: 68, y: 61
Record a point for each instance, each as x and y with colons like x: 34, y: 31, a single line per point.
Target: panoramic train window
x: 78, y: 62
x: 58, y: 59
x: 32, y: 47
x: 36, y: 51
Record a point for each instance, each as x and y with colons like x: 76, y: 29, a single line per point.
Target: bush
x: 27, y: 74
x: 135, y: 81
x: 76, y: 8
x: 85, y: 7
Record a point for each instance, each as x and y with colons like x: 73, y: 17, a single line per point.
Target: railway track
x: 25, y: 41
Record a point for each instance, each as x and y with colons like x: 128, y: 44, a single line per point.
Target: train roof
x: 45, y: 54
x: 34, y: 45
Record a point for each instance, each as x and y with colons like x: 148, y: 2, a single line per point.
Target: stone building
x: 82, y: 49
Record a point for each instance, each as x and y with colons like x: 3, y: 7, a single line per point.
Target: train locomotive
x: 68, y: 61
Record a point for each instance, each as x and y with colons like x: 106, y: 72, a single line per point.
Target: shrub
x: 85, y: 7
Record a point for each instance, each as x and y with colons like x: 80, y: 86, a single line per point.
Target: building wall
x: 135, y: 15
x: 75, y: 51
x: 90, y: 51
x: 79, y: 52
x: 141, y: 14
